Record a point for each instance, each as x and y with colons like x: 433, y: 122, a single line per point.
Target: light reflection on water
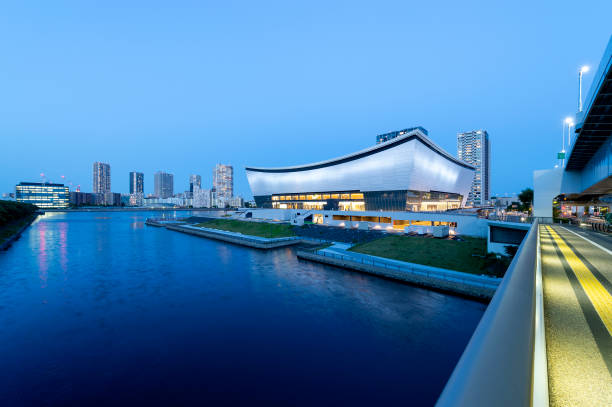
x: 104, y: 308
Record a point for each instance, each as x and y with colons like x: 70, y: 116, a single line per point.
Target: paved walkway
x: 577, y: 280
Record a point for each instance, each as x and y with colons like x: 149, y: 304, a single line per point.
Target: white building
x: 136, y: 199
x: 223, y: 183
x: 202, y: 198
x: 236, y: 202
x: 101, y: 178
x: 474, y: 148
x: 406, y: 173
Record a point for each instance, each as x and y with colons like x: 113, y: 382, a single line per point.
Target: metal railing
x: 417, y: 269
x: 497, y: 367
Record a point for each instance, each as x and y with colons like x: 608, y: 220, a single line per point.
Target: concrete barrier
x: 235, y: 238
x: 418, y: 275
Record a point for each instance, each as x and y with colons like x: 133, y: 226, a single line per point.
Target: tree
x: 526, y: 198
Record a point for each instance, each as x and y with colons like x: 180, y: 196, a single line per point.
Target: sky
x: 181, y: 86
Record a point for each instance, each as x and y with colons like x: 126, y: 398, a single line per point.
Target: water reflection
x: 146, y: 305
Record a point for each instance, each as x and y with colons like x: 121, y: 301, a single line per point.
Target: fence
x: 417, y: 269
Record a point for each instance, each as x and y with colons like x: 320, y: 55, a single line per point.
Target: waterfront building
x: 194, y: 180
x: 136, y: 182
x: 407, y: 173
x: 136, y: 199
x: 381, y: 138
x: 78, y: 198
x: 202, y: 198
x: 163, y: 184
x: 170, y: 202
x: 111, y: 199
x: 223, y: 183
x: 236, y: 202
x: 101, y: 178
x: 474, y: 148
x: 43, y: 195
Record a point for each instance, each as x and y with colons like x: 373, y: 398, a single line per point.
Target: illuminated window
x: 335, y: 196
x: 325, y: 196
x: 302, y: 197
x: 357, y: 196
x: 345, y: 196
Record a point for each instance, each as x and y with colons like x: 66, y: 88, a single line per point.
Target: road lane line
x: 597, y: 293
x: 589, y: 240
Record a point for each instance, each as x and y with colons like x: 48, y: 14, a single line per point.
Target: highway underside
x: 577, y: 281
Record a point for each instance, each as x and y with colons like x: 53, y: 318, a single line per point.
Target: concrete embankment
x: 482, y: 288
x: 231, y: 237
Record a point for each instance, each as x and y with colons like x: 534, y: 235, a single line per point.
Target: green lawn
x: 448, y: 254
x: 269, y: 230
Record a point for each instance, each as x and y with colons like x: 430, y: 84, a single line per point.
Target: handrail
x: 497, y: 366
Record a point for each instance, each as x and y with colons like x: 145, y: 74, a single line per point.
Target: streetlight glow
x: 584, y: 69
x: 568, y: 120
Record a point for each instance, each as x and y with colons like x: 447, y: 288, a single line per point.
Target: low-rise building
x: 43, y: 195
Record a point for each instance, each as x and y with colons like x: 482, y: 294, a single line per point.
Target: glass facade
x: 43, y: 195
x: 381, y: 138
x: 403, y: 200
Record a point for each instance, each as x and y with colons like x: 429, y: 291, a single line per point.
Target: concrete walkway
x: 577, y: 283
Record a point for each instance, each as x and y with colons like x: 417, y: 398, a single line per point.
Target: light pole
x: 563, y: 144
x: 584, y: 69
x: 570, y: 123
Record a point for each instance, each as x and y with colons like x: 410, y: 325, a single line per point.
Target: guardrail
x: 418, y: 269
x: 497, y: 367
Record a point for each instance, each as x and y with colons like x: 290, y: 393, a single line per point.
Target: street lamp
x: 584, y: 69
x: 570, y: 123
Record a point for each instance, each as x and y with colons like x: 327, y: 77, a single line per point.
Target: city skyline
x: 332, y: 95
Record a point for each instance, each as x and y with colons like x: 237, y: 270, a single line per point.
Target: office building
x: 407, y: 173
x: 474, y: 148
x: 236, y: 202
x: 101, y: 178
x: 136, y: 183
x: 223, y: 184
x: 202, y: 198
x: 381, y: 138
x: 43, y: 195
x: 163, y: 185
x: 194, y: 180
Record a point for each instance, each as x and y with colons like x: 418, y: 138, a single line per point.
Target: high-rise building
x: 136, y: 183
x: 43, y: 195
x: 381, y: 138
x: 473, y: 147
x: 202, y: 198
x: 101, y: 178
x: 223, y: 183
x: 194, y: 180
x: 164, y: 184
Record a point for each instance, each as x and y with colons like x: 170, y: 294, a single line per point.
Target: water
x: 97, y: 308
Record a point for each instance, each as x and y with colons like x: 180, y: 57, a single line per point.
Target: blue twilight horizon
x: 152, y: 86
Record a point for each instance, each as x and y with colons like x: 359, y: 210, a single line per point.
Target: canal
x: 97, y: 308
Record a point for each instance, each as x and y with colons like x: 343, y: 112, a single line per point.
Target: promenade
x: 577, y: 285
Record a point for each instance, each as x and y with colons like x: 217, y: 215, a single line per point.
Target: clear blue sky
x: 180, y: 86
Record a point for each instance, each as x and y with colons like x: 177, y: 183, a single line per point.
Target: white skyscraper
x: 101, y: 178
x: 223, y: 184
x: 163, y: 184
x: 474, y: 148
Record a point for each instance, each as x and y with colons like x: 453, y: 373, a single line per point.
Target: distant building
x: 136, y: 183
x: 194, y: 180
x: 171, y: 202
x: 78, y: 198
x: 43, y: 195
x: 236, y: 202
x: 136, y: 199
x: 202, y: 198
x: 163, y: 184
x: 101, y: 178
x: 223, y: 183
x: 381, y: 138
x: 112, y: 199
x: 9, y: 196
x: 473, y: 147
x: 504, y: 201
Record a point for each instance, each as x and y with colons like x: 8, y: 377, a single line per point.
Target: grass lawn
x: 270, y: 230
x: 448, y: 254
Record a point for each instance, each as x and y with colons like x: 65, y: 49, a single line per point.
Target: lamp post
x: 584, y: 69
x: 562, y: 144
x: 570, y: 123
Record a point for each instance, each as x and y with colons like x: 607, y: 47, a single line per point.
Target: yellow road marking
x: 597, y: 293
